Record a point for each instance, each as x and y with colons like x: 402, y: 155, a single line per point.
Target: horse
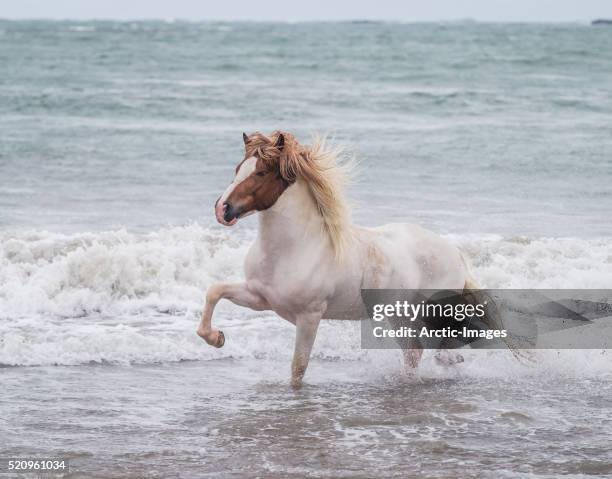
x: 308, y: 262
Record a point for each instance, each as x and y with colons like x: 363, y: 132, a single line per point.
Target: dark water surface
x: 221, y: 419
x: 464, y: 127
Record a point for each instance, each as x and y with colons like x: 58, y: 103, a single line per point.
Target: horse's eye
x: 260, y: 173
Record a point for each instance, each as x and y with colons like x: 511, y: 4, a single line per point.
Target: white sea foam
x: 136, y: 298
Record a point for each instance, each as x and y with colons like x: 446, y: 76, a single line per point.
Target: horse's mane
x: 323, y: 171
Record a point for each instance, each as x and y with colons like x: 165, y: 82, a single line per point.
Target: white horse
x: 309, y: 262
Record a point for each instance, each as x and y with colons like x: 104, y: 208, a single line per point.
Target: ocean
x: 117, y: 137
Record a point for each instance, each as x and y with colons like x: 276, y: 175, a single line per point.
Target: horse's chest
x: 287, y: 284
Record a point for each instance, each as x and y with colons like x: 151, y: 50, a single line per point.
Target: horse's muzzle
x: 225, y: 214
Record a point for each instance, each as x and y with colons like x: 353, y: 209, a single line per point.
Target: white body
x: 291, y: 269
x: 292, y: 265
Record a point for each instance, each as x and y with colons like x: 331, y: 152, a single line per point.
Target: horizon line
x: 347, y: 20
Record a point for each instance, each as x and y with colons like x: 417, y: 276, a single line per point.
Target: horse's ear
x: 245, y: 138
x: 280, y: 141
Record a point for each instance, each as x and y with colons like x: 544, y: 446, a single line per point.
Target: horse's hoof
x: 447, y: 359
x: 220, y: 340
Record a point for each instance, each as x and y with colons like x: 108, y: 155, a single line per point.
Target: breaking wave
x: 121, y: 297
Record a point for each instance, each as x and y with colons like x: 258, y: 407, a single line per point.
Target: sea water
x: 117, y: 137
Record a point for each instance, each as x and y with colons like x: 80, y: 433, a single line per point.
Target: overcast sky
x: 296, y: 10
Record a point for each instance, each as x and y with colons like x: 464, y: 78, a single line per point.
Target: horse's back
x: 407, y: 256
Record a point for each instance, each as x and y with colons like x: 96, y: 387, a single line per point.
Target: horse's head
x: 261, y: 177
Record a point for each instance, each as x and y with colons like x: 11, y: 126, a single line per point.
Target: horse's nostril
x: 228, y: 213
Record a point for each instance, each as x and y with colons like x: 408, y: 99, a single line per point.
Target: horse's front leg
x: 237, y: 293
x: 306, y: 330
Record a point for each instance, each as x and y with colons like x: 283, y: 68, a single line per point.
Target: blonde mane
x: 320, y: 167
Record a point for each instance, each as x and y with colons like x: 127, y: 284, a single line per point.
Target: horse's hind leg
x: 411, y: 347
x: 412, y: 355
x: 237, y: 293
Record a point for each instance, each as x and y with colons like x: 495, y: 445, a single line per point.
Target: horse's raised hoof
x: 217, y: 342
x: 220, y: 340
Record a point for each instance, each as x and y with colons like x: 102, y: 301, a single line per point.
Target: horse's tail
x: 475, y: 295
x: 470, y: 281
x: 492, y: 319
